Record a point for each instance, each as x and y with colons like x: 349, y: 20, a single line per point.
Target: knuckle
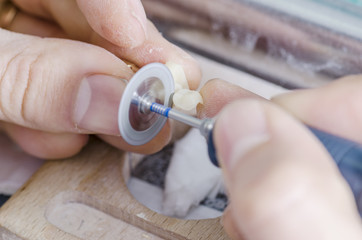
x: 16, y: 79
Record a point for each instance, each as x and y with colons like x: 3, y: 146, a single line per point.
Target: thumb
x: 282, y: 183
x: 59, y: 85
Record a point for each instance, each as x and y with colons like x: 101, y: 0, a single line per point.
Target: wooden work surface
x: 86, y: 197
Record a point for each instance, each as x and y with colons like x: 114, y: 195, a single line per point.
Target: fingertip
x: 154, y: 145
x: 217, y: 93
x: 157, y: 49
x: 64, y: 145
x: 46, y: 145
x: 123, y: 23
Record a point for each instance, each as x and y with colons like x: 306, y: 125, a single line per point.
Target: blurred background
x: 299, y: 43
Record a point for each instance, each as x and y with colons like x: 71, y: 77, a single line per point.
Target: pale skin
x: 47, y: 109
x: 54, y: 92
x: 282, y: 183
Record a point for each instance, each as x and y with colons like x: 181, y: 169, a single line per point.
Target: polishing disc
x: 155, y: 82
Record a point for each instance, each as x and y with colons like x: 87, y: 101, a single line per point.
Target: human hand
x: 282, y: 183
x: 54, y: 92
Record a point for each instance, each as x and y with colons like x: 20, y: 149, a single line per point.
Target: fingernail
x: 97, y: 103
x: 239, y: 129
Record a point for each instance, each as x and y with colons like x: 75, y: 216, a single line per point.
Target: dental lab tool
x: 146, y: 105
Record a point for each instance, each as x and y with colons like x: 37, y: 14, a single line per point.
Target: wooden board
x: 86, y: 197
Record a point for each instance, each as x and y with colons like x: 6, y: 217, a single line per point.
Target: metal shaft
x: 147, y: 104
x: 205, y: 125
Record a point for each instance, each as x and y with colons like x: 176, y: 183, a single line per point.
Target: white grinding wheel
x: 154, y: 80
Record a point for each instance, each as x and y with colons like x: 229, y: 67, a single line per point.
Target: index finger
x: 334, y: 108
x: 121, y: 22
x: 119, y: 26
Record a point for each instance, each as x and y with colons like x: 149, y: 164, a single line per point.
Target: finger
x: 156, y: 49
x: 155, y: 145
x: 65, y: 13
x: 216, y: 93
x: 46, y: 145
x: 27, y: 24
x: 59, y: 85
x: 121, y: 22
x: 334, y: 108
x: 229, y: 225
x: 282, y: 184
x: 34, y: 7
x: 119, y: 26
